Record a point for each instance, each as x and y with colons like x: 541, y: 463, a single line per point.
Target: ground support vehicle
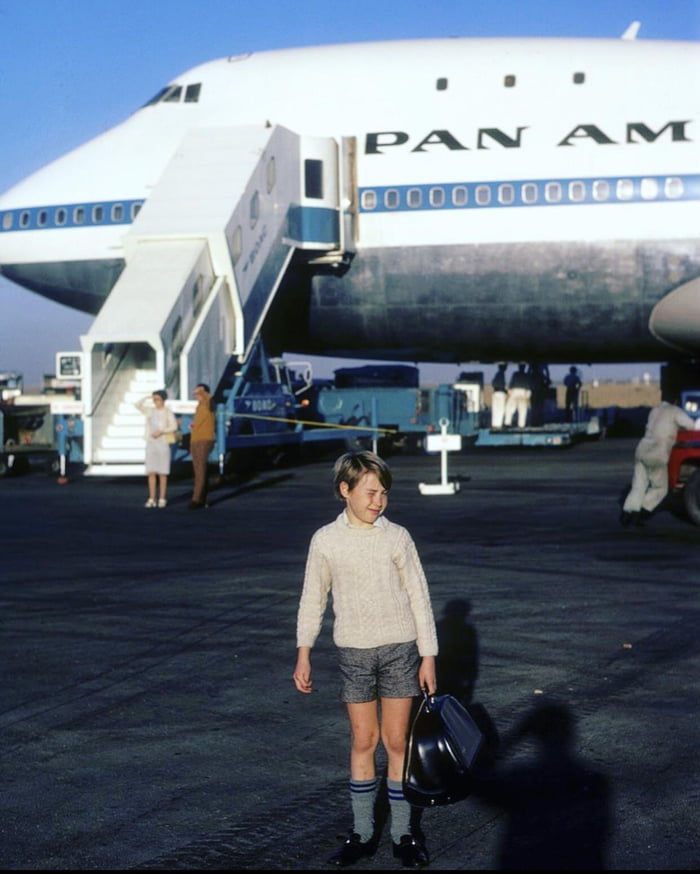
x: 36, y: 430
x: 684, y: 463
x: 553, y: 434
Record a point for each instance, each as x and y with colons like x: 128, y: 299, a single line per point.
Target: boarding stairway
x: 204, y: 259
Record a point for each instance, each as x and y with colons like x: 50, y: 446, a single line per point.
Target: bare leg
x: 396, y: 714
x: 364, y: 727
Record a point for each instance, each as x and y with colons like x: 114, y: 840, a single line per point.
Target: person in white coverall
x: 650, y: 477
x: 498, y: 397
x: 519, y: 392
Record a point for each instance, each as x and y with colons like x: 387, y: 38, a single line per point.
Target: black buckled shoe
x: 352, y: 851
x: 412, y: 852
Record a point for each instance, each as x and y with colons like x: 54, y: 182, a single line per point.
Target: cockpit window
x: 156, y: 97
x: 173, y: 94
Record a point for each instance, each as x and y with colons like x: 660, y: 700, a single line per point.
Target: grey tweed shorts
x: 389, y: 671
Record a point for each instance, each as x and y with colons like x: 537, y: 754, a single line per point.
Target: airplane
x: 432, y: 200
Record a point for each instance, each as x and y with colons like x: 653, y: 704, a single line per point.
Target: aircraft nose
x: 675, y: 320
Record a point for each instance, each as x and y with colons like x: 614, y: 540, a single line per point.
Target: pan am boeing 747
x: 430, y: 200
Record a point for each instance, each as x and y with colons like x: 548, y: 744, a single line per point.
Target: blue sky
x: 73, y: 68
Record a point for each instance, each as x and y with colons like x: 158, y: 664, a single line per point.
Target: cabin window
x: 173, y: 94
x: 625, y: 189
x: 579, y: 78
x: 97, y: 213
x: 254, y: 209
x: 601, y: 190
x: 577, y: 192
x: 441, y: 84
x: 78, y: 215
x: 7, y: 221
x: 117, y: 212
x: 649, y: 189
x: 369, y: 200
x: 529, y: 193
x: 483, y: 195
x: 509, y: 81
x: 391, y: 198
x: 271, y: 174
x: 506, y: 194
x: 135, y: 209
x: 313, y: 178
x: 24, y: 219
x: 673, y: 187
x: 552, y: 192
x: 459, y: 195
x: 414, y: 197
x: 61, y: 216
x: 197, y: 295
x: 437, y: 196
x: 236, y: 245
x: 192, y: 93
x: 42, y: 218
x: 176, y: 337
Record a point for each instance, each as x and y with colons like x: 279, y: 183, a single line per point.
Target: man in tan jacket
x: 201, y: 445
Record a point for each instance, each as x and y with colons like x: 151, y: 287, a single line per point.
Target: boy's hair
x: 352, y: 466
x: 162, y: 393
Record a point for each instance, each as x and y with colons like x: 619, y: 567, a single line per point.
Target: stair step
x: 129, y: 419
x: 125, y: 429
x: 121, y: 456
x: 124, y: 442
x: 114, y: 470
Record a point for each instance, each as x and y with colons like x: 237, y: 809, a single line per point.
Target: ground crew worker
x: 519, y: 393
x: 650, y: 477
x: 498, y: 398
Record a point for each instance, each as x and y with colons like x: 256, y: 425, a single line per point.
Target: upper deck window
x: 441, y: 84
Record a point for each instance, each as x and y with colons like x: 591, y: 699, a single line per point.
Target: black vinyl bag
x: 443, y: 749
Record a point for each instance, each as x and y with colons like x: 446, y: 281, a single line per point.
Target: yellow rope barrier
x: 315, y: 424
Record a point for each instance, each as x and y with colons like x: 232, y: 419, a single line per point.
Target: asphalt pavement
x: 149, y: 720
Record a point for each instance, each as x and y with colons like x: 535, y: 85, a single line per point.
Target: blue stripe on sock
x: 362, y: 787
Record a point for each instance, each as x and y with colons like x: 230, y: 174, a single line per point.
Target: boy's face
x: 366, y: 502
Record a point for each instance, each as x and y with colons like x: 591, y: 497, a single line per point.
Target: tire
x: 691, y: 497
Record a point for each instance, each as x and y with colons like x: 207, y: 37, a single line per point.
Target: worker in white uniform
x: 650, y: 478
x: 519, y: 393
x: 498, y: 397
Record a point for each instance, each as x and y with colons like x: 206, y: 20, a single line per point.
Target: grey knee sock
x: 363, y: 794
x: 400, y: 811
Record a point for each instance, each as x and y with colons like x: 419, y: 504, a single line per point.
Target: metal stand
x: 442, y: 443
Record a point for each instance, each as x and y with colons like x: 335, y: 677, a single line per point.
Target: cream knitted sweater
x: 379, y: 591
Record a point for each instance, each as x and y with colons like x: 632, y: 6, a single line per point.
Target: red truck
x: 684, y: 463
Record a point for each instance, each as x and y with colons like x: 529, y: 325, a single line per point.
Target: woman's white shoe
x: 150, y: 503
x: 162, y: 503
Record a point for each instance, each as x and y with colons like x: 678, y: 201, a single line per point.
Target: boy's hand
x: 302, y: 671
x: 426, y: 675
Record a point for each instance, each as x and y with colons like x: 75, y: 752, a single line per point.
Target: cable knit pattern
x: 379, y: 590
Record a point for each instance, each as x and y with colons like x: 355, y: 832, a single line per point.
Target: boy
x: 387, y: 643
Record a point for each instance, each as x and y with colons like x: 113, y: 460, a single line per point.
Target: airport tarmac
x: 149, y: 720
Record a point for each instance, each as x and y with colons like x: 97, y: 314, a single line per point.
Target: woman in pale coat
x: 159, y: 421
